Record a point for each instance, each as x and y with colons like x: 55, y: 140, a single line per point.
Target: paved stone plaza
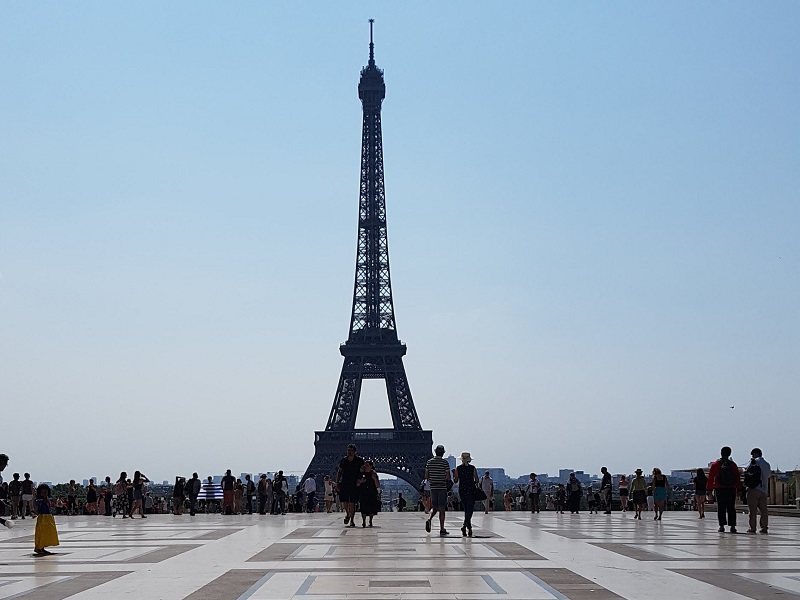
x: 514, y: 556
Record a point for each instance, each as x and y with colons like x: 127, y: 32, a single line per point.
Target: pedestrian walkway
x: 514, y: 555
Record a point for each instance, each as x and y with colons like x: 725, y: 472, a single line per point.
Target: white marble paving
x: 315, y: 557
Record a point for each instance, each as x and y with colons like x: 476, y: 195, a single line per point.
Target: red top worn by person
x: 714, y: 475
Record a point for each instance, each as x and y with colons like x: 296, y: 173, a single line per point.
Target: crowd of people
x: 722, y: 485
x: 356, y: 487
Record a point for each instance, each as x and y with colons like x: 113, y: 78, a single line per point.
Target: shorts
x: 348, y: 493
x: 623, y: 492
x: 439, y: 498
x: 27, y: 497
x: 639, y: 497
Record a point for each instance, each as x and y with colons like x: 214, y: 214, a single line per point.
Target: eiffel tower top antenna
x: 371, y: 45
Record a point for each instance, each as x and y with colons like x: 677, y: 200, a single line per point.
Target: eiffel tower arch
x: 372, y: 349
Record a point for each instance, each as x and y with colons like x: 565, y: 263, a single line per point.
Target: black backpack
x: 727, y: 474
x: 752, y: 476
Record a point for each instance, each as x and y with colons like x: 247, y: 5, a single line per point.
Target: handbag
x: 479, y: 495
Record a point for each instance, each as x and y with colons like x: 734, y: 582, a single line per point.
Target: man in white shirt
x: 310, y: 489
x: 534, y: 488
x: 757, y: 496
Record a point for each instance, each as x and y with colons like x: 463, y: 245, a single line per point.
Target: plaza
x: 514, y: 555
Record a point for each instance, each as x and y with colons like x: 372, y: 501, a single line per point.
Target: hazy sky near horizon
x: 593, y: 229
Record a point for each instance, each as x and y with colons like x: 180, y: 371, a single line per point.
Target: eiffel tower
x: 373, y: 350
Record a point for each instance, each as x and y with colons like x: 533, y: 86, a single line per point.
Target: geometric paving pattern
x: 514, y: 555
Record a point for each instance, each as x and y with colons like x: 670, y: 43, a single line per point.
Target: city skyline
x: 592, y: 217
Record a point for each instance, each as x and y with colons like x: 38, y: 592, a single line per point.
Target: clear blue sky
x: 593, y: 228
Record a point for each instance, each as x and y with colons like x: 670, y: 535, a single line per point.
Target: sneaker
x: 443, y: 533
x: 428, y: 525
x: 733, y: 530
x: 762, y: 531
x: 346, y: 520
x: 751, y: 531
x: 721, y: 529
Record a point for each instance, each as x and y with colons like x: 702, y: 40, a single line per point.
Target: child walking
x: 45, y: 533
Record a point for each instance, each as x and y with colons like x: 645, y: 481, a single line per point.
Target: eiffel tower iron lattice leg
x: 373, y: 350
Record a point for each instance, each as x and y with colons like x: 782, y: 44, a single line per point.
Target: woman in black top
x: 368, y: 498
x: 700, y: 492
x: 139, y: 479
x: 91, y: 498
x: 466, y: 476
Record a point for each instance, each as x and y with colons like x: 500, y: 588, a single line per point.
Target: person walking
x: 91, y: 498
x: 108, y: 496
x: 425, y: 495
x: 45, y: 534
x: 3, y: 464
x: 328, y: 483
x: 368, y: 487
x: 574, y: 492
x: 310, y: 490
x: 466, y: 476
x: 725, y: 481
x: 250, y: 492
x: 756, y: 480
x: 228, y: 492
x: 605, y: 489
x: 347, y: 477
x: 238, y: 497
x: 28, y: 497
x: 487, y: 485
x: 437, y: 471
x: 534, y: 489
x: 15, y: 493
x: 178, y: 495
x: 660, y: 485
x: 261, y: 489
x: 700, y: 482
x: 639, y: 492
x: 192, y: 490
x: 622, y: 486
x: 561, y: 498
x: 280, y: 491
x: 121, y: 496
x: 139, y: 479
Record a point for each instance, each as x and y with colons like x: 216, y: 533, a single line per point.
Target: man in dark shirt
x: 15, y: 492
x: 346, y: 477
x: 228, y: 482
x: 605, y: 489
x: 192, y: 489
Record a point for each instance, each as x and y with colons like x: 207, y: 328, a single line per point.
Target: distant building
x: 451, y: 460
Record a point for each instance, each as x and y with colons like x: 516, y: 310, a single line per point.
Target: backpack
x: 727, y: 474
x: 752, y: 476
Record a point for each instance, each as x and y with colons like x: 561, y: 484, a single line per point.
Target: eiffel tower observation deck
x: 372, y: 349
